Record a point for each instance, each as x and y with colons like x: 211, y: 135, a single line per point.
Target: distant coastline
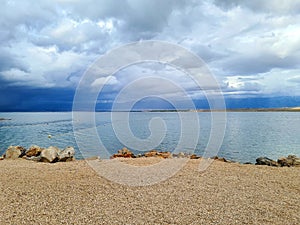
x: 286, y: 109
x: 1, y: 119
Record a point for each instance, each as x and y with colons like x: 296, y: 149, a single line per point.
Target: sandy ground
x: 72, y: 193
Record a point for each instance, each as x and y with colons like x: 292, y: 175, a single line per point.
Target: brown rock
x: 125, y: 153
x: 33, y: 151
x: 221, y: 159
x: 283, y: 161
x: 266, y: 161
x: 291, y: 160
x: 194, y: 156
x: 165, y: 155
x: 152, y: 153
x: 14, y: 152
x: 297, y: 162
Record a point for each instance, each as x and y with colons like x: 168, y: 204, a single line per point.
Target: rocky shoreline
x: 35, y: 153
x: 53, y: 154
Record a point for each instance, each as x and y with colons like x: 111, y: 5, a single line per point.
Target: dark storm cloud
x: 9, y: 61
x: 19, y: 99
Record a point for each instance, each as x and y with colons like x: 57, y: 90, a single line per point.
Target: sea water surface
x: 248, y: 135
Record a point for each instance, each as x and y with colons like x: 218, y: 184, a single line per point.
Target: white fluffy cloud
x: 253, y: 47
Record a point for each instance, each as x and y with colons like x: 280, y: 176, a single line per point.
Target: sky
x: 251, y: 47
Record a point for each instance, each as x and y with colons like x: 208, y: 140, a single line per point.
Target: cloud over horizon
x: 252, y: 47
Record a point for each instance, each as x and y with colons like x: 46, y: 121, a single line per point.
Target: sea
x: 241, y: 136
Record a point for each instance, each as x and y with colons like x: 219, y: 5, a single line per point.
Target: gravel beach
x: 73, y: 193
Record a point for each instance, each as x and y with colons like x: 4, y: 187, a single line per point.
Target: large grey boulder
x: 14, y: 152
x: 66, y: 155
x: 50, y: 154
x: 266, y: 161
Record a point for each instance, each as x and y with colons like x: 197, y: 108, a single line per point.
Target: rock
x: 181, y: 155
x: 139, y: 155
x: 33, y: 151
x: 283, y: 161
x: 291, y: 160
x: 194, y: 156
x: 66, y: 155
x: 1, y: 157
x: 152, y: 153
x: 164, y: 155
x: 50, y: 154
x: 248, y: 163
x: 266, y: 161
x: 297, y: 162
x: 221, y: 159
x: 14, y: 152
x: 125, y: 153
